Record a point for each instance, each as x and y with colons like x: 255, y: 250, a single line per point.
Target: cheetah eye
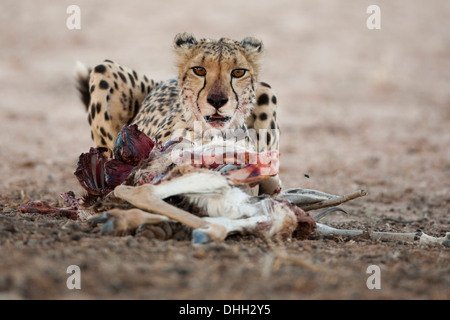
x: 238, y: 73
x: 200, y: 71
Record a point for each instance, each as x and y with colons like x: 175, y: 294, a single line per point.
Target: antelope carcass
x: 220, y: 180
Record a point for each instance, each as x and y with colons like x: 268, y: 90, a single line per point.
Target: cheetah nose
x: 217, y: 100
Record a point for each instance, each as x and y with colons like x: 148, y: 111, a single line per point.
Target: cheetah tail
x: 82, y: 82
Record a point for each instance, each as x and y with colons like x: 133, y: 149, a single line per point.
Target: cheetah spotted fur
x: 216, y: 87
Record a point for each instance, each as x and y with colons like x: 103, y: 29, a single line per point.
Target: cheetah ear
x: 252, y: 45
x: 184, y: 41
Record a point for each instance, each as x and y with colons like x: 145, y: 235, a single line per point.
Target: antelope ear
x: 184, y: 41
x: 252, y: 45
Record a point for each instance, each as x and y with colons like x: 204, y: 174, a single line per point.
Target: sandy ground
x: 359, y: 108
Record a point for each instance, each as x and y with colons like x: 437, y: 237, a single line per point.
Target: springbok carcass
x: 219, y: 179
x: 218, y: 185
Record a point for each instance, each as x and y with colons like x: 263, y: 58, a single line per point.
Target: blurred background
x: 358, y: 107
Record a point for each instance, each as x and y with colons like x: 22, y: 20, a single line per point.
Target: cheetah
x: 217, y: 89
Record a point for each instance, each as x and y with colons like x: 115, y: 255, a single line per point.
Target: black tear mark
x: 235, y: 94
x: 198, y: 94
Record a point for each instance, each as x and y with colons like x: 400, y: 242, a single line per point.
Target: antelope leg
x: 143, y: 198
x: 274, y: 218
x: 421, y: 237
x: 122, y: 222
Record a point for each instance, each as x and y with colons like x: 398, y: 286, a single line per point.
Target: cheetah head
x: 217, y: 79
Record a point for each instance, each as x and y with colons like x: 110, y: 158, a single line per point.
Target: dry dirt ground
x: 359, y: 108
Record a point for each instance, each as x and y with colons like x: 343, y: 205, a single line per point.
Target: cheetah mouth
x: 216, y: 118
